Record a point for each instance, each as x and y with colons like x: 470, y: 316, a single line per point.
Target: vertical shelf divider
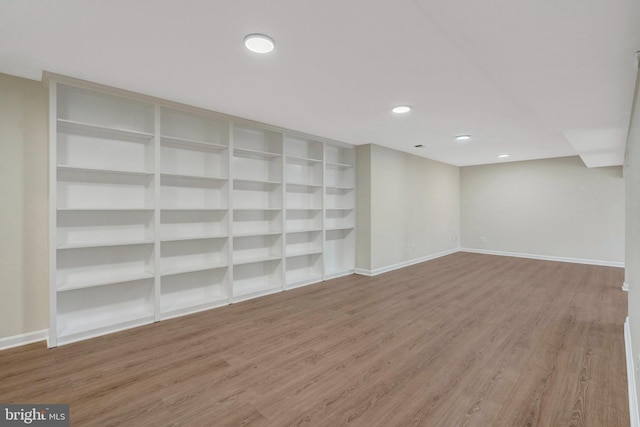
x: 324, y: 212
x: 323, y: 205
x: 157, y: 161
x: 230, y: 211
x: 53, y: 215
x: 283, y: 224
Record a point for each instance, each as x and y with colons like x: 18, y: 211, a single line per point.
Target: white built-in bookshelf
x: 160, y: 210
x: 303, y: 216
x: 339, y: 210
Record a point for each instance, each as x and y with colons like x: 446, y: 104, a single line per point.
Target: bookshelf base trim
x: 68, y: 338
x: 192, y: 309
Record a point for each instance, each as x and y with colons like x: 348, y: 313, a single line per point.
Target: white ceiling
x: 536, y: 79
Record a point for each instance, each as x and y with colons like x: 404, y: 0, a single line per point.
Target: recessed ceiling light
x: 259, y: 43
x: 463, y: 137
x: 503, y: 156
x: 401, y: 109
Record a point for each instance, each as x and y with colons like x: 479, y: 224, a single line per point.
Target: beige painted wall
x: 408, y: 208
x: 632, y: 262
x: 24, y: 294
x: 363, y: 207
x: 554, y: 207
x: 414, y: 207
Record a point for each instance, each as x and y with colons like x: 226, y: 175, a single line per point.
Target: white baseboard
x: 381, y: 270
x: 546, y: 257
x: 392, y: 267
x: 625, y: 287
x: 631, y: 378
x: 23, y: 339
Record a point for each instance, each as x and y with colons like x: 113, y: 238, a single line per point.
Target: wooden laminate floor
x: 466, y: 339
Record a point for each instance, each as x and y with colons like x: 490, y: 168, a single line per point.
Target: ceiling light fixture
x: 463, y: 137
x: 259, y: 43
x: 503, y: 156
x: 401, y: 109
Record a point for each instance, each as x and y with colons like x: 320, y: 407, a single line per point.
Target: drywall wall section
x: 24, y: 304
x: 414, y: 206
x: 363, y: 207
x: 554, y: 207
x: 632, y: 254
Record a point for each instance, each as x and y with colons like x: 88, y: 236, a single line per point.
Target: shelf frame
x: 308, y: 165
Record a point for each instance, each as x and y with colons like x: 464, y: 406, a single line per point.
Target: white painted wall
x: 553, y: 207
x: 632, y: 262
x: 24, y: 295
x: 414, y: 206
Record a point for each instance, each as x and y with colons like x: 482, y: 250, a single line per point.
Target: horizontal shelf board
x: 256, y: 181
x: 63, y: 287
x: 187, y: 209
x: 257, y: 209
x: 339, y: 188
x: 121, y: 322
x: 307, y: 210
x: 258, y: 234
x: 304, y: 253
x: 255, y: 260
x: 340, y: 228
x: 334, y: 165
x: 339, y: 209
x: 71, y: 126
x: 104, y: 209
x: 306, y: 230
x: 186, y: 238
x: 254, y: 154
x: 104, y: 244
x: 191, y: 144
x: 302, y: 185
x: 193, y: 177
x: 303, y: 160
x: 68, y: 168
x: 193, y: 268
